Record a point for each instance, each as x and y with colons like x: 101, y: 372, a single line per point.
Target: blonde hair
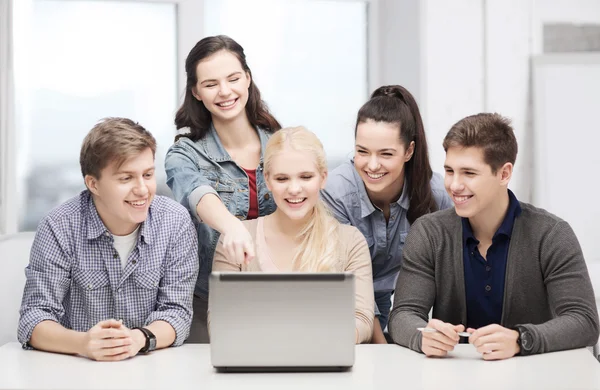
x: 113, y: 139
x: 318, y: 248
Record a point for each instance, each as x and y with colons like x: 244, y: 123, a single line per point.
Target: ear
x: 195, y: 93
x: 249, y: 79
x: 505, y: 173
x: 323, y: 180
x: 91, y: 183
x: 409, y: 152
x: 267, y: 182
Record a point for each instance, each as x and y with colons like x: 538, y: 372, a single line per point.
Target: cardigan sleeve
x: 415, y: 289
x: 359, y: 263
x: 570, y: 295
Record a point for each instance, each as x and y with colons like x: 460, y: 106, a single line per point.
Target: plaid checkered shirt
x: 75, y: 276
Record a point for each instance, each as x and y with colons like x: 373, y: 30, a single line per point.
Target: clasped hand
x: 110, y: 340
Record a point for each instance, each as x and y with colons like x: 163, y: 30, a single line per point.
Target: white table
x: 376, y: 367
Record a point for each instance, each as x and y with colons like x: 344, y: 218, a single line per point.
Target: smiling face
x: 475, y: 190
x: 123, y: 194
x: 222, y: 86
x: 295, y: 181
x: 380, y: 158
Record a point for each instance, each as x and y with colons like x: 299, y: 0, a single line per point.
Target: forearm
x: 164, y: 332
x: 403, y: 326
x: 378, y: 336
x: 213, y: 212
x: 52, y: 337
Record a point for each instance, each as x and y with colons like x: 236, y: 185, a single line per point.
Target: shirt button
x: 472, y: 253
x: 107, y: 234
x: 115, y: 256
x: 488, y: 288
x: 488, y: 268
x: 267, y: 196
x: 90, y: 286
x: 133, y: 262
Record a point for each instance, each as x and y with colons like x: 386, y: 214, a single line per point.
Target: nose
x: 224, y: 90
x: 294, y: 187
x: 456, y: 184
x: 373, y: 164
x: 141, y: 187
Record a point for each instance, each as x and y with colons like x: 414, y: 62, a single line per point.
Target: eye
x: 281, y: 179
x: 386, y: 154
x: 209, y: 85
x: 307, y: 177
x: 125, y: 178
x: 361, y: 151
x: 449, y: 171
x: 149, y: 175
x: 234, y: 80
x: 470, y: 173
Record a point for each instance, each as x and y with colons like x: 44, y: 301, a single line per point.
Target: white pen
x: 431, y: 330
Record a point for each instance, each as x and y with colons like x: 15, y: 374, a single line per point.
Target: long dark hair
x: 195, y: 115
x: 394, y: 104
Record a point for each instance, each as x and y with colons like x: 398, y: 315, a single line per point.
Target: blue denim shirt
x: 197, y: 168
x: 347, y: 198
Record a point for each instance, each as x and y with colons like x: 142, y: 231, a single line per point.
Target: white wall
x: 463, y: 57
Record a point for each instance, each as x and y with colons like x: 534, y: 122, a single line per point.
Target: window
x: 308, y: 58
x: 86, y: 60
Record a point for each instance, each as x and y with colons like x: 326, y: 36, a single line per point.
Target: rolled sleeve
x: 197, y: 195
x: 176, y: 289
x: 47, y: 281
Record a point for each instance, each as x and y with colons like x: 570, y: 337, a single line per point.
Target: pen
x: 431, y: 330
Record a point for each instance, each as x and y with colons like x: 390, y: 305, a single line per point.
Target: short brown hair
x: 490, y: 132
x: 113, y: 139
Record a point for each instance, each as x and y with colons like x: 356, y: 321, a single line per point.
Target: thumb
x: 112, y: 323
x: 459, y: 328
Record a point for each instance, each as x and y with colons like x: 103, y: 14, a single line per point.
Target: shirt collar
x: 506, y: 227
x: 96, y: 228
x: 366, y: 206
x: 216, y: 151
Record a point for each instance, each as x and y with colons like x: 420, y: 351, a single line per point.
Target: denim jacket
x: 197, y: 168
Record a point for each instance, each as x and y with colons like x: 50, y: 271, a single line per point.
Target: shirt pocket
x: 145, y: 285
x: 224, y: 186
x: 94, y: 295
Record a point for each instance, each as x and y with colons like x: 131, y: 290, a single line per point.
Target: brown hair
x: 394, y: 104
x: 195, y: 115
x: 490, y: 132
x: 113, y: 139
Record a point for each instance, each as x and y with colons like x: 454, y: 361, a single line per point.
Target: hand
x: 238, y: 244
x: 107, y: 341
x: 441, y: 342
x: 378, y: 336
x: 495, y: 342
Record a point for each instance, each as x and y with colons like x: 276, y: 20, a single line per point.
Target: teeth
x: 296, y: 200
x: 461, y: 198
x: 375, y: 175
x: 138, y: 203
x: 227, y: 103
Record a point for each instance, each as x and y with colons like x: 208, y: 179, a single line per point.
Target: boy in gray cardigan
x: 512, y: 274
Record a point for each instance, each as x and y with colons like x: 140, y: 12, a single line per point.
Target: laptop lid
x: 282, y: 319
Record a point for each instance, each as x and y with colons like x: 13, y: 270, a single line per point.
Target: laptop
x: 281, y: 321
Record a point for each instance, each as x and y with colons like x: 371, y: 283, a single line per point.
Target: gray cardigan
x: 547, y: 287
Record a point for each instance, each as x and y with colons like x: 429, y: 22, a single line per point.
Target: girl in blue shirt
x: 386, y: 187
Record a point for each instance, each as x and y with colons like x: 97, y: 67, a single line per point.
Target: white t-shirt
x: 124, y: 245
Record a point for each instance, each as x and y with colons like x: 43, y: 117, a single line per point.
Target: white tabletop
x: 377, y: 367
